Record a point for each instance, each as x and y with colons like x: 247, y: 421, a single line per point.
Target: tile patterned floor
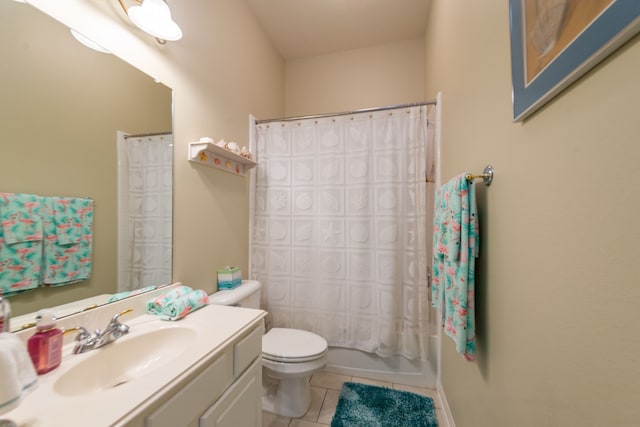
x: 325, y: 389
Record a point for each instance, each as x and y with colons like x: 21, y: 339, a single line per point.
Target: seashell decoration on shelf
x: 231, y: 146
x: 227, y: 156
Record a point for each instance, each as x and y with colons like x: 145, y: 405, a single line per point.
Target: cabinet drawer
x: 241, y: 404
x: 197, y: 396
x: 246, y: 350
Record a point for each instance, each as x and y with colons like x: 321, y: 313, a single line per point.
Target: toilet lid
x: 292, y: 344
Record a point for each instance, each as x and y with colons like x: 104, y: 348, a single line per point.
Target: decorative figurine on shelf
x: 244, y: 152
x: 233, y: 147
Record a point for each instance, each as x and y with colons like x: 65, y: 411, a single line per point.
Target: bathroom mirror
x: 61, y: 107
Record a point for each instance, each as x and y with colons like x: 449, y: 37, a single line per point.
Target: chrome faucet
x: 5, y: 315
x: 114, y: 330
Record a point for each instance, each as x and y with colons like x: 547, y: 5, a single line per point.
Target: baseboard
x: 445, y: 407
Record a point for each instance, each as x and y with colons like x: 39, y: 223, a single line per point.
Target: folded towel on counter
x: 17, y: 374
x: 177, y: 303
x: 155, y: 305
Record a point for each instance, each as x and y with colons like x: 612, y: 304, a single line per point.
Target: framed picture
x: 554, y: 42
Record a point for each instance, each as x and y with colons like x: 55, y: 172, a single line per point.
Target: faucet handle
x: 83, y: 339
x: 118, y: 329
x: 83, y: 333
x: 115, y: 318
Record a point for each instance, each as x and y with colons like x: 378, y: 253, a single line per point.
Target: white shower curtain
x: 145, y: 193
x: 339, y: 228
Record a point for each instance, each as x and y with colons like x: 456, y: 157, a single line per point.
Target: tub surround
x: 397, y: 369
x: 222, y: 355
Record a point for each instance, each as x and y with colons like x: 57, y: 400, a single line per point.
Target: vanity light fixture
x: 154, y: 17
x: 88, y: 42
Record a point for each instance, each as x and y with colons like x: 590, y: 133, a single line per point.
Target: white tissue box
x: 229, y: 277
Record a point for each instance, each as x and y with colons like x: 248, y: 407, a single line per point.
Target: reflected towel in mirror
x: 68, y: 236
x: 20, y: 242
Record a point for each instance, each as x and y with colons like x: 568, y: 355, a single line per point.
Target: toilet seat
x: 293, y: 360
x: 292, y: 346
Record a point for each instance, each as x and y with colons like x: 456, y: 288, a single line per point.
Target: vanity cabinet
x: 234, y: 408
x: 212, y: 377
x: 226, y: 393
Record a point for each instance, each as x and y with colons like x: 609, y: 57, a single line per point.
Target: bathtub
x: 398, y: 369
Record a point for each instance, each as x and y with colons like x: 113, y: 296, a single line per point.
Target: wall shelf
x: 208, y: 154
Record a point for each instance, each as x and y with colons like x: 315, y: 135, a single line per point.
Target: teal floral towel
x: 72, y: 218
x: 68, y: 236
x: 177, y: 303
x: 21, y: 219
x: 456, y: 242
x: 20, y: 242
x: 127, y: 294
x: 155, y: 305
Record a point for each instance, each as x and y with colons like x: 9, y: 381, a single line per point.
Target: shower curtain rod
x: 140, y: 135
x: 344, y: 113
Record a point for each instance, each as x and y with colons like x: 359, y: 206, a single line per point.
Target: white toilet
x: 289, y: 356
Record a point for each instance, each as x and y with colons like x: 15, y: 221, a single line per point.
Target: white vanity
x: 203, y: 370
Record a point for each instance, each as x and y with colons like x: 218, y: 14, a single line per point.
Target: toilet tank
x: 246, y: 295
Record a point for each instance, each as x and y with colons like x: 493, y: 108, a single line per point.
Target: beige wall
x: 557, y: 277
x: 362, y: 78
x: 221, y: 71
x: 557, y: 295
x: 59, y: 120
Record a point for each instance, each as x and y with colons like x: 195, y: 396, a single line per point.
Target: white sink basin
x: 125, y: 360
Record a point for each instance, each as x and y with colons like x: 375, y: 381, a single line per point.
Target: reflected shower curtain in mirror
x: 339, y: 228
x: 145, y: 193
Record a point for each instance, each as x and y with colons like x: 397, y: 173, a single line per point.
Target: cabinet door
x: 186, y: 404
x: 241, y: 404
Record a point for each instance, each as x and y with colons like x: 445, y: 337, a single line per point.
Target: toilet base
x: 288, y: 397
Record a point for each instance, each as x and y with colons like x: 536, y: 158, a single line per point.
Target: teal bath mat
x: 372, y: 406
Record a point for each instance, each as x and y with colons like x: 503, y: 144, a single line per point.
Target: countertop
x: 216, y: 326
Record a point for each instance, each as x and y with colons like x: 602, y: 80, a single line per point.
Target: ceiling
x: 305, y: 28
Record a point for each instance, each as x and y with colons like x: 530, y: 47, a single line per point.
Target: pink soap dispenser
x: 45, y: 346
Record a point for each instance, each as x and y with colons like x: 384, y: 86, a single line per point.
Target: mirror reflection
x: 69, y: 117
